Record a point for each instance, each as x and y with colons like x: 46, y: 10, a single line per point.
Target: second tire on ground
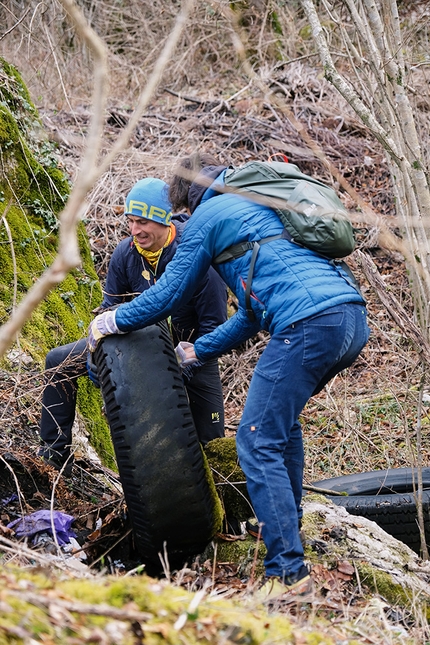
x: 387, y: 498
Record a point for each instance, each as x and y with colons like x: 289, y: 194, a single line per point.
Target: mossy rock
x: 381, y: 583
x: 229, y: 478
x: 50, y: 607
x: 248, y: 553
x: 33, y: 191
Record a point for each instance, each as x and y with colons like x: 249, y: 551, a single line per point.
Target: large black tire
x: 386, y: 497
x: 159, y: 457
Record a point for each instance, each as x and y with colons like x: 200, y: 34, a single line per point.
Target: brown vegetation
x: 366, y: 418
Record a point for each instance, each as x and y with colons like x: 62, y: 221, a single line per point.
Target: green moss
x: 276, y: 24
x: 13, y: 92
x: 27, y: 618
x: 90, y: 405
x: 382, y: 583
x: 305, y: 32
x: 218, y: 511
x: 312, y: 523
x: 229, y: 477
x: 249, y: 554
x: 33, y: 191
x: 49, y: 609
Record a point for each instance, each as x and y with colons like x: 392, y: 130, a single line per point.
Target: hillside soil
x: 366, y: 419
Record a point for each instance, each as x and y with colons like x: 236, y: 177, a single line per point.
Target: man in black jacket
x: 136, y: 264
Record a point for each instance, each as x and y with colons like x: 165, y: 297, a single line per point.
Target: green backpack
x: 313, y: 214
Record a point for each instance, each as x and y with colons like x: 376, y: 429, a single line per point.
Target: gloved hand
x: 187, y: 359
x: 103, y: 325
x: 92, y: 370
x: 189, y: 371
x: 185, y: 354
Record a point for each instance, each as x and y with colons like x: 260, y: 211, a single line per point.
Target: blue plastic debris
x: 42, y: 521
x: 10, y: 499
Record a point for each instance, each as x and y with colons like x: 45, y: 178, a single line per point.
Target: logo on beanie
x: 141, y: 209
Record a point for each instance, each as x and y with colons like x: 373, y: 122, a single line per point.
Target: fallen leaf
x: 346, y: 568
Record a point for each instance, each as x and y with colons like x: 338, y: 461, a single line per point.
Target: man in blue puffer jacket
x: 317, y: 323
x: 136, y: 264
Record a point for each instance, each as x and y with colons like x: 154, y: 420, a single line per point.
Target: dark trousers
x: 66, y: 363
x: 206, y: 401
x: 63, y: 366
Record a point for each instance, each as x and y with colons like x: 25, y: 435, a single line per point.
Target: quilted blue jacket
x: 290, y: 283
x: 130, y: 274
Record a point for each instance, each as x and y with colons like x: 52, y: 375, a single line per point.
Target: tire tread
x: 159, y: 458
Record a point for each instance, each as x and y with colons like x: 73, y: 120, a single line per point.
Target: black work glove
x: 92, y: 369
x: 188, y: 371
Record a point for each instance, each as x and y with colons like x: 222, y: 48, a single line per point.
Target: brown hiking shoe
x: 299, y: 585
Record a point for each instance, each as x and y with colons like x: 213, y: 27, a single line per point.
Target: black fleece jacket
x: 129, y: 275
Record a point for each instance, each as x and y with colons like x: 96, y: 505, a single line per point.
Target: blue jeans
x: 296, y: 364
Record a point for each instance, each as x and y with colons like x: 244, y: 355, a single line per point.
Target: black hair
x: 184, y: 174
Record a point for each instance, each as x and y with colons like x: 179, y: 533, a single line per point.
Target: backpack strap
x: 237, y: 250
x: 249, y: 310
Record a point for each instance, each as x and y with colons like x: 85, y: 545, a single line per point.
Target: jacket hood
x: 197, y: 189
x: 179, y: 218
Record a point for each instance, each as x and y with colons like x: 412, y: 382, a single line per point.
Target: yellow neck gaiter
x: 152, y: 257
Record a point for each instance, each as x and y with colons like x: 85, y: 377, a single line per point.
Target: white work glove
x: 185, y: 354
x: 103, y: 325
x: 188, y: 361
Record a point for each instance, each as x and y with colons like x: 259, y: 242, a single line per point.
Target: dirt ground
x: 360, y: 421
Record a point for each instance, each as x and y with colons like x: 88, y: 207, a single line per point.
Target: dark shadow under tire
x: 387, y: 498
x: 160, y: 461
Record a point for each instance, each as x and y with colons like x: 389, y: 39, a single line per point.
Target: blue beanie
x: 148, y: 199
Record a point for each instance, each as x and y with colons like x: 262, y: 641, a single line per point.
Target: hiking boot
x: 298, y: 584
x: 232, y: 526
x: 253, y: 528
x: 57, y: 460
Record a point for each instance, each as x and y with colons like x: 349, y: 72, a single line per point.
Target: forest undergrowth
x: 368, y: 418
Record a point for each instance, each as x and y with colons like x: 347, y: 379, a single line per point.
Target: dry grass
x: 366, y: 419
x: 207, y: 102
x: 58, y: 71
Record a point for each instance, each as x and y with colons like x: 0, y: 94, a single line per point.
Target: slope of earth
x: 366, y: 419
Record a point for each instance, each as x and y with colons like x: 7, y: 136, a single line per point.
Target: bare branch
x: 18, y: 22
x: 68, y: 256
x: 394, y: 308
x: 384, y: 46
